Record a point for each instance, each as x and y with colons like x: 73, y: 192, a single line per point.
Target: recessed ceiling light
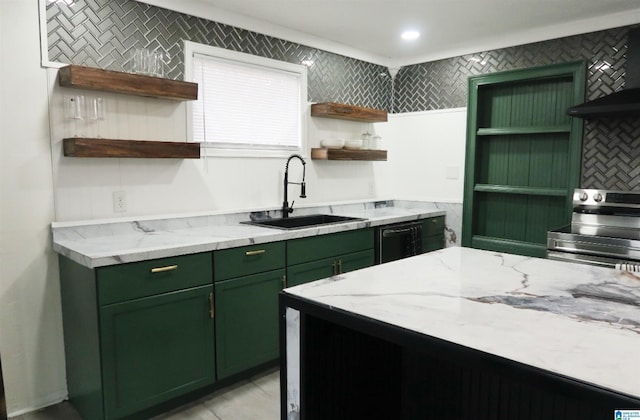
x: 410, y: 35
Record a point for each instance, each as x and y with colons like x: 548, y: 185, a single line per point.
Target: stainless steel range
x: 604, y: 230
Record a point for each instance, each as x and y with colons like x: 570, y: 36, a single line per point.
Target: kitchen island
x: 462, y: 334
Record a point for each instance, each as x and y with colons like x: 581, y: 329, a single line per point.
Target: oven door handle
x: 603, y: 250
x: 578, y: 258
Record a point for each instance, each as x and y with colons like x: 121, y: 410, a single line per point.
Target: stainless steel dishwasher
x: 397, y: 241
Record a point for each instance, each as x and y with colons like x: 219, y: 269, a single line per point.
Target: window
x: 247, y: 105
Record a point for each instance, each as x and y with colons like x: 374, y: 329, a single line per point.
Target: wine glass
x: 96, y: 112
x: 76, y: 111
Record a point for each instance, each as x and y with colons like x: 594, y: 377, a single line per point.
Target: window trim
x: 191, y: 48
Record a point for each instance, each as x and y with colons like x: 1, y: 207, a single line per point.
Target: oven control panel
x: 605, y: 198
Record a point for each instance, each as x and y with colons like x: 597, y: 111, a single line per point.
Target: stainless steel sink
x: 299, y: 222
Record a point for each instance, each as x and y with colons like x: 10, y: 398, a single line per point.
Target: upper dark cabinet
x: 618, y: 104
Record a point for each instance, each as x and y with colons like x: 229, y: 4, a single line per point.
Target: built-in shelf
x: 94, y: 147
x: 132, y: 84
x: 348, y: 154
x: 348, y: 112
x: 508, y: 189
x: 504, y: 131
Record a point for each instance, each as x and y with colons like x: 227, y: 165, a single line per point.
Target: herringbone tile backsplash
x: 100, y: 33
x: 611, y: 147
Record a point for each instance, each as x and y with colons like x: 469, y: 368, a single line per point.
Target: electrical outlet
x: 452, y: 172
x: 119, y: 201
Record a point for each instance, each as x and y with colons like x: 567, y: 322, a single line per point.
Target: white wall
x: 84, y: 186
x: 426, y: 152
x: 38, y: 185
x: 31, y: 344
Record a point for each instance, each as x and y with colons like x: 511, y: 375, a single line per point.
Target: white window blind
x: 246, y: 105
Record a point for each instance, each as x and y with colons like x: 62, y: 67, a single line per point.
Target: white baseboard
x: 38, y: 404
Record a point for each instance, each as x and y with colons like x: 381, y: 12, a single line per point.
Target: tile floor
x: 255, y: 399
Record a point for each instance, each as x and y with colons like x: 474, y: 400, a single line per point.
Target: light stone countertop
x: 575, y: 320
x: 109, y: 242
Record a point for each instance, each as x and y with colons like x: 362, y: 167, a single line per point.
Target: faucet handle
x: 290, y: 209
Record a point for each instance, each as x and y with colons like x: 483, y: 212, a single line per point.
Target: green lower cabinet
x: 246, y: 317
x: 356, y: 261
x: 310, y: 271
x: 318, y: 257
x: 138, y: 334
x: 432, y: 243
x: 156, y: 348
x: 327, y: 267
x: 433, y: 234
x: 313, y: 248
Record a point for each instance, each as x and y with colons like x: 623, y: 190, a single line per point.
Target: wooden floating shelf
x: 348, y: 112
x: 132, y: 84
x: 347, y: 154
x: 92, y: 147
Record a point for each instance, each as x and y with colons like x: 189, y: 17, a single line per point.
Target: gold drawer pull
x: 163, y: 269
x: 211, y: 309
x: 434, y: 221
x: 256, y: 252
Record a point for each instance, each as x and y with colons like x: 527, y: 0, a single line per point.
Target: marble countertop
x: 575, y: 320
x: 110, y: 242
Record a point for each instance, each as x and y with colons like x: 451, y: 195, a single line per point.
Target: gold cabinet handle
x: 211, y: 305
x: 284, y: 281
x: 339, y: 266
x: 434, y: 221
x: 335, y: 268
x: 256, y: 252
x: 165, y: 268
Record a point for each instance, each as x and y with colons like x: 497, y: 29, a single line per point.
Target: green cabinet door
x: 356, y: 261
x: 432, y: 243
x: 433, y: 233
x: 327, y: 267
x: 246, y: 314
x: 311, y: 271
x: 156, y: 348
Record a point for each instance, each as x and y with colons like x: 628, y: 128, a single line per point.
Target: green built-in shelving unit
x: 522, y: 156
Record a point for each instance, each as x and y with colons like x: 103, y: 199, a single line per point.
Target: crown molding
x: 205, y: 10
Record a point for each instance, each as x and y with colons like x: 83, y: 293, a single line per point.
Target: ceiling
x: 370, y: 29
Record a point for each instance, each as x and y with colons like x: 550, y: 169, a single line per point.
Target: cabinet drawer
x: 432, y: 243
x: 433, y: 226
x: 238, y: 262
x: 356, y: 261
x: 146, y: 278
x: 327, y: 246
x: 310, y: 271
x: 327, y: 267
